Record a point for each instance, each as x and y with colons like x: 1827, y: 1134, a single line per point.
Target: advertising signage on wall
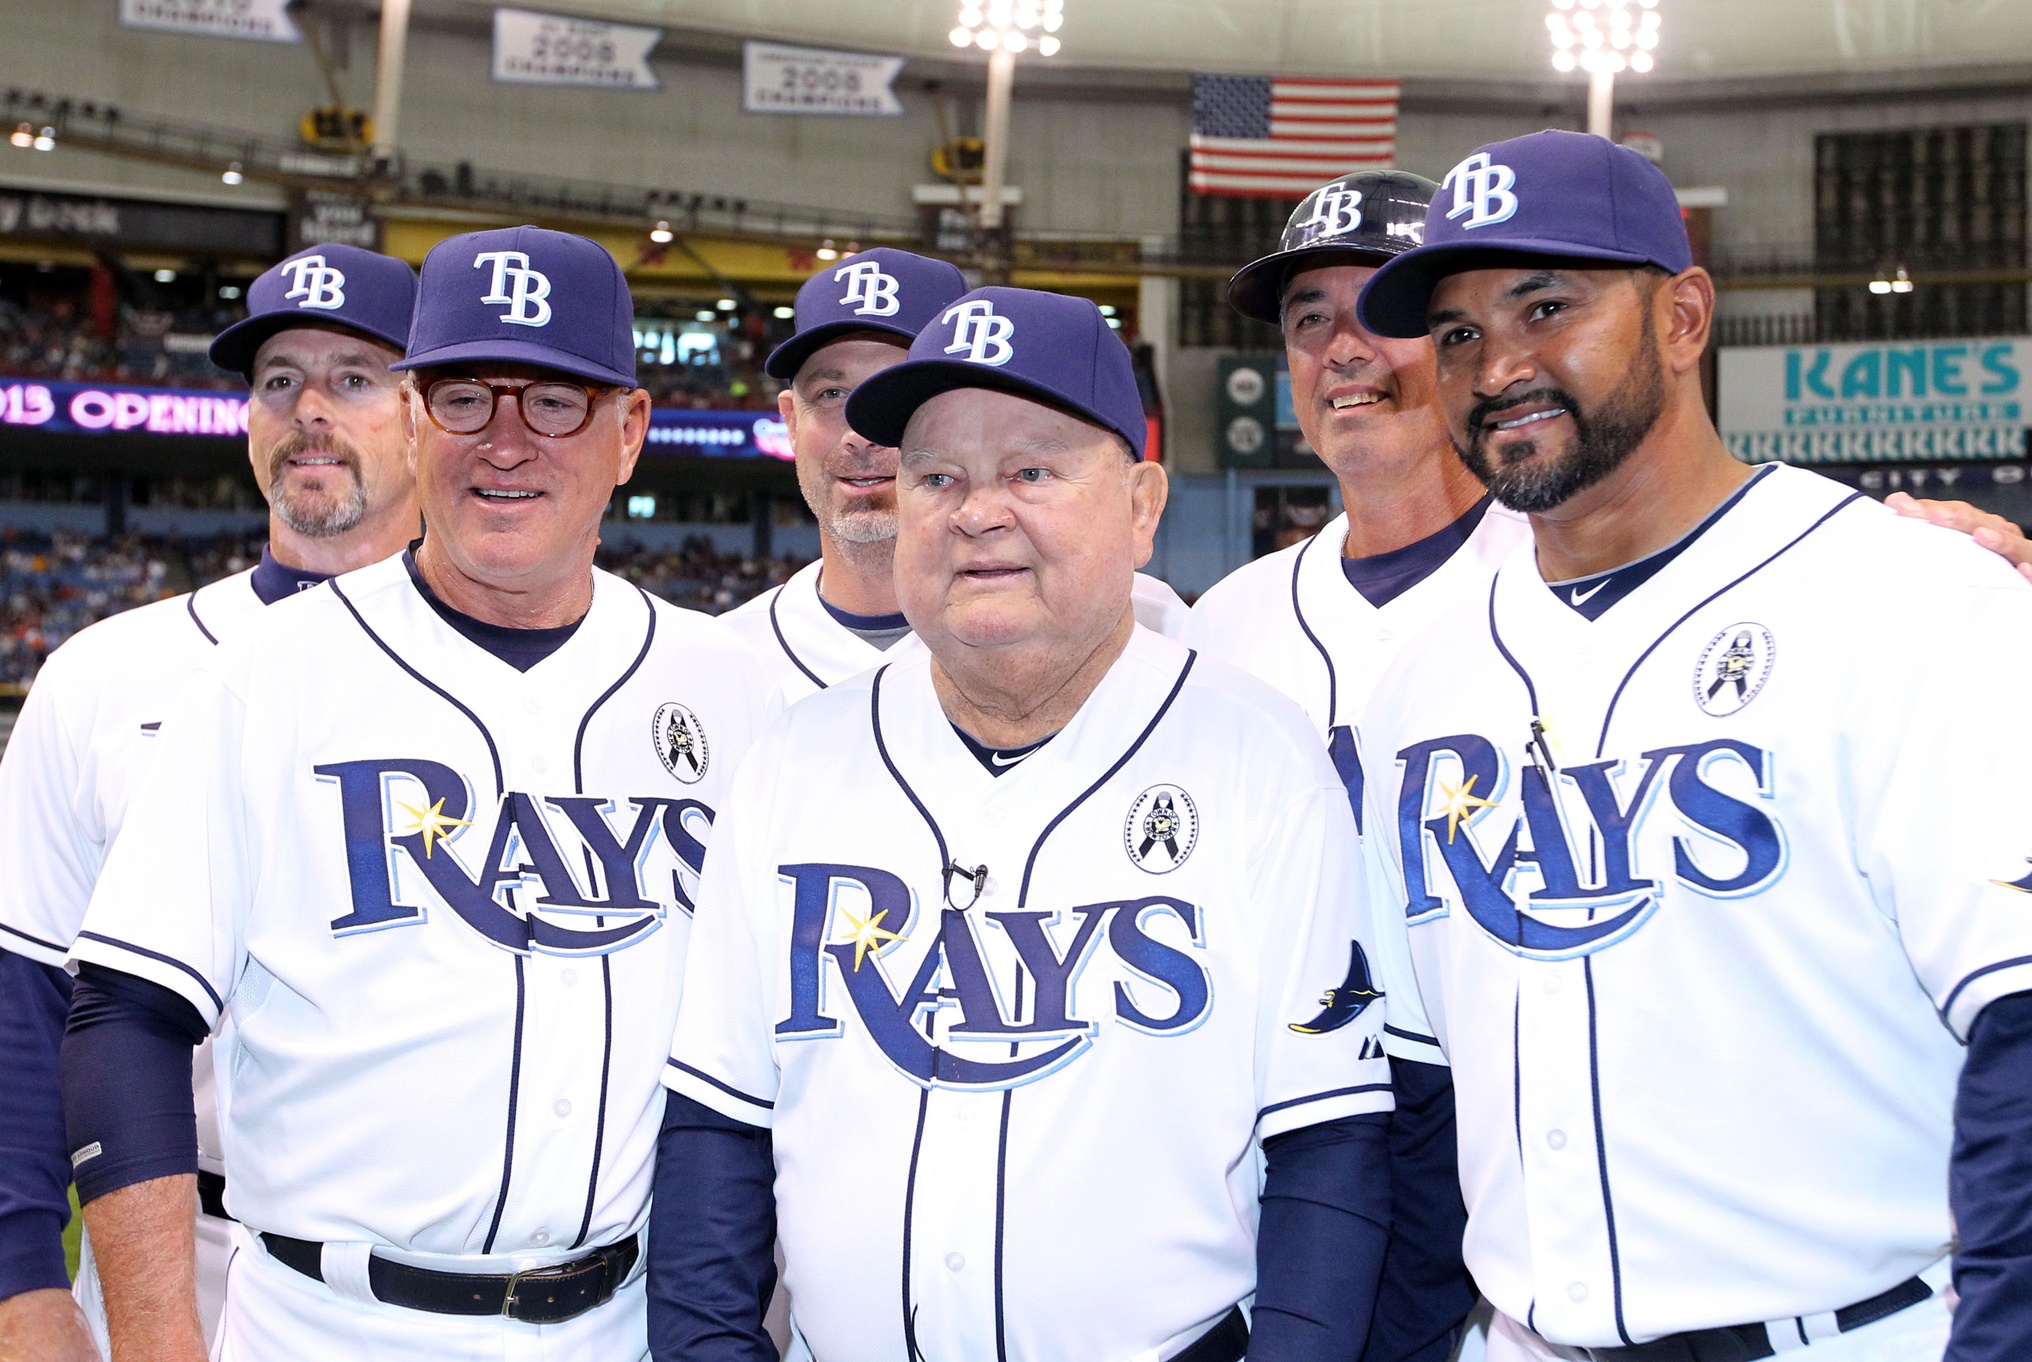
x: 134, y: 223
x: 113, y: 409
x: 1891, y: 400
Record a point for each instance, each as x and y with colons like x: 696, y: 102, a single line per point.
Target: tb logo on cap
x: 318, y: 284
x: 1481, y: 189
x: 1336, y: 211
x: 981, y: 334
x: 873, y: 290
x: 520, y: 287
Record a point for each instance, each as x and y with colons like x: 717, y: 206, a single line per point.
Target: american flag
x: 1266, y: 137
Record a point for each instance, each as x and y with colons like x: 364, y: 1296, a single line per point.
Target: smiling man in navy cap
x: 430, y: 834
x: 1018, y: 953
x: 324, y: 436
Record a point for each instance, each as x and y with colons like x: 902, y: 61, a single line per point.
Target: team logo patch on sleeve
x: 1339, y: 1006
x: 680, y: 741
x: 1733, y: 668
x: 1161, y: 830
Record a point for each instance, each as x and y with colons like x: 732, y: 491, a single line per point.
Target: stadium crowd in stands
x: 52, y: 587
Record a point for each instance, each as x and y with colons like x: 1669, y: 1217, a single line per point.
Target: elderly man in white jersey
x: 1702, y: 836
x: 324, y: 436
x: 423, y: 840
x: 839, y: 615
x: 1017, y: 956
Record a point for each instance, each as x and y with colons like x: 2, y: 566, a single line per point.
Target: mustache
x: 299, y: 442
x: 1492, y: 408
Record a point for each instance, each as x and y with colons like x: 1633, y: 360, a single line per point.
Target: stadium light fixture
x: 165, y: 276
x: 1011, y: 26
x: 1898, y: 281
x: 784, y: 314
x: 232, y: 174
x: 828, y: 251
x: 1603, y: 38
x: 46, y: 140
x: 24, y: 136
x: 661, y: 233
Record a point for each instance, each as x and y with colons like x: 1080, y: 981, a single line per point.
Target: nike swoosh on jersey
x: 996, y: 757
x: 1583, y: 597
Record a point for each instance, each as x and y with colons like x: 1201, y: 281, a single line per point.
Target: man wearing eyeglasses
x: 427, y: 840
x: 324, y: 436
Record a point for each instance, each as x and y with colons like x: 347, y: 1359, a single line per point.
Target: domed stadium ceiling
x: 1500, y: 40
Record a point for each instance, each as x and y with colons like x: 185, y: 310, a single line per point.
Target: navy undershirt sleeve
x: 1426, y: 1291
x: 127, y: 1081
x: 1319, y: 1247
x: 35, y: 1166
x: 712, y: 1237
x: 1990, y: 1187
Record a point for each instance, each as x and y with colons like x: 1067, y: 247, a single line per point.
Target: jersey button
x: 540, y: 1238
x: 538, y: 765
x: 993, y: 818
x: 1552, y: 983
x: 1555, y: 1138
x: 531, y: 704
x: 568, y: 977
x: 563, y: 1108
x: 1576, y: 1292
x: 955, y: 1262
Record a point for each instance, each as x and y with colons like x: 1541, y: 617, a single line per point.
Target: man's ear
x: 1683, y: 310
x: 1149, y: 490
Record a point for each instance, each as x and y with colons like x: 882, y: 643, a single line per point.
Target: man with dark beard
x: 1703, y: 832
x: 324, y: 436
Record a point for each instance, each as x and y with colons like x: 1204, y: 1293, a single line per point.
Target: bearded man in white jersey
x: 839, y: 615
x: 425, y: 839
x: 324, y: 436
x: 1701, y: 835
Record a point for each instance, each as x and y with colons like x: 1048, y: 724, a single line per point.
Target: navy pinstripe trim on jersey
x: 704, y: 1077
x: 784, y: 643
x: 190, y: 607
x: 1411, y: 1036
x: 1609, y: 716
x: 1023, y: 894
x: 1321, y: 1097
x: 1001, y: 1204
x: 882, y: 747
x: 514, y: 1092
x: 33, y: 940
x: 1594, y: 1062
x: 1517, y: 1070
x: 910, y: 1349
x: 606, y: 1071
x: 493, y: 752
x: 160, y: 958
x: 579, y: 743
x: 1496, y: 637
x: 1970, y: 978
x: 1332, y: 680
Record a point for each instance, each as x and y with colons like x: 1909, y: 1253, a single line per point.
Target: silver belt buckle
x: 536, y: 1274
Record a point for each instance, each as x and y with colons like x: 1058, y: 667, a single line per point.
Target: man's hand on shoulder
x: 45, y: 1326
x: 1993, y: 532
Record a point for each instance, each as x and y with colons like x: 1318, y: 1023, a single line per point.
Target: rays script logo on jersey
x: 1568, y: 877
x: 560, y: 874
x: 1481, y: 189
x: 980, y: 334
x: 868, y: 286
x: 849, y: 922
x: 516, y: 284
x: 316, y: 284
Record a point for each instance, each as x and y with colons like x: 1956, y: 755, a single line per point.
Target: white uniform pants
x: 276, y: 1314
x: 1915, y: 1334
x: 215, y: 1249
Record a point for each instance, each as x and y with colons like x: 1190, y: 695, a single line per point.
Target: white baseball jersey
x: 1036, y: 1110
x: 444, y: 904
x: 809, y: 650
x: 1702, y: 956
x: 1292, y: 619
x: 89, y: 728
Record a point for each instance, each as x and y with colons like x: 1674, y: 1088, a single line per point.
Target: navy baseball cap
x: 1048, y: 346
x: 1365, y: 218
x: 1566, y: 195
x: 883, y: 289
x: 529, y: 296
x: 328, y: 285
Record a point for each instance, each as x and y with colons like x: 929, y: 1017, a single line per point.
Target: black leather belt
x: 1748, y: 1342
x: 544, y: 1295
x: 1225, y: 1342
x: 212, y: 1195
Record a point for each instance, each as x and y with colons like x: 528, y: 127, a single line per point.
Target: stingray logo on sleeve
x: 1161, y: 830
x: 680, y: 741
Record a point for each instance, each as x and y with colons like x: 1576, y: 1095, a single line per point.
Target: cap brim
x: 1257, y: 290
x: 786, y: 359
x: 1396, y: 299
x: 884, y: 403
x: 519, y: 352
x: 234, y: 348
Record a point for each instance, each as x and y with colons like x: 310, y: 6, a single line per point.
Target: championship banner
x: 811, y: 80
x: 261, y: 20
x: 549, y: 49
x: 1945, y: 399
